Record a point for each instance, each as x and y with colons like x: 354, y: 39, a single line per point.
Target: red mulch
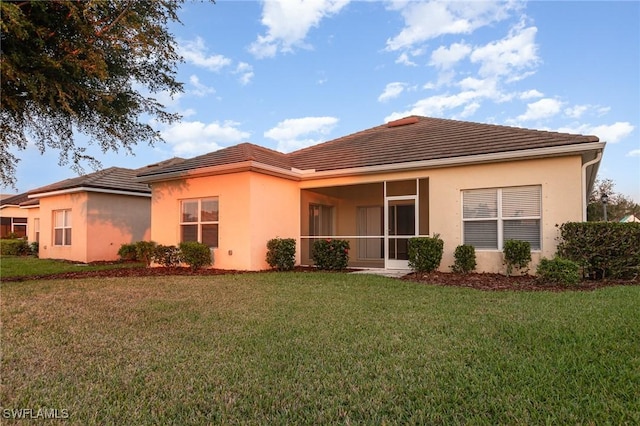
x: 479, y: 281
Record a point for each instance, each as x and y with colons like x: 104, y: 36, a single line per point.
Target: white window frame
x: 199, y: 222
x: 499, y: 218
x: 66, y: 225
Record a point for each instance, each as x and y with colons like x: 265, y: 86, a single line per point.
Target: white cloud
x: 445, y: 58
x: 634, y: 153
x: 510, y: 57
x: 296, y: 133
x: 246, y: 73
x: 194, y: 52
x: 611, y: 133
x: 404, y: 60
x: 289, y: 21
x: 436, y: 106
x: 427, y: 20
x: 392, y: 90
x: 530, y: 94
x: 190, y: 138
x: 200, y: 90
x: 544, y: 108
x: 576, y: 111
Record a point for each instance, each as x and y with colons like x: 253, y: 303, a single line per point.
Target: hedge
x: 602, y: 249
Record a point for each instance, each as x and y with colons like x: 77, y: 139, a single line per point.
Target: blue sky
x: 288, y: 74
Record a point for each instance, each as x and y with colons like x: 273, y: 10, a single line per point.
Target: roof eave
x: 242, y: 166
x: 557, y: 151
x: 88, y: 189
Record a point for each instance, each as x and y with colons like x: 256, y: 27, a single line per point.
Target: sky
x: 289, y: 74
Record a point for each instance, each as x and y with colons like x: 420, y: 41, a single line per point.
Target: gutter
x: 584, y: 183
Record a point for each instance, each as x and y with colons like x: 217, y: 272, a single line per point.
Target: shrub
x: 127, y: 252
x: 558, y: 271
x: 14, y: 247
x: 602, y: 249
x: 196, y: 255
x: 330, y: 254
x: 281, y: 253
x: 145, y: 251
x: 34, y: 249
x: 465, y: 259
x: 425, y: 253
x: 167, y: 256
x: 517, y: 254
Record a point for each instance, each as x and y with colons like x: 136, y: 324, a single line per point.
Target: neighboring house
x: 13, y: 219
x: 89, y: 217
x: 629, y: 219
x: 471, y: 183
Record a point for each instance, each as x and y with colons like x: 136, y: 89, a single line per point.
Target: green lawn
x: 318, y: 348
x: 22, y: 266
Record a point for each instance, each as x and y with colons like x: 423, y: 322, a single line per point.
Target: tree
x: 80, y: 66
x: 618, y: 205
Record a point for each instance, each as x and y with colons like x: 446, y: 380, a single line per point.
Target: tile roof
x: 15, y: 200
x: 418, y: 138
x: 113, y: 178
x: 231, y: 155
x: 409, y: 139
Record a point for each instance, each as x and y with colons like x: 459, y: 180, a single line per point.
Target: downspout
x: 584, y: 183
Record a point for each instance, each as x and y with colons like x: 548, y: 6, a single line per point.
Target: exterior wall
x: 113, y: 220
x: 77, y: 203
x: 275, y: 212
x: 234, y: 232
x: 253, y: 208
x: 560, y: 179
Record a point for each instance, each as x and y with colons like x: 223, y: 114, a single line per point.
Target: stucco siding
x: 76, y: 203
x: 113, y: 220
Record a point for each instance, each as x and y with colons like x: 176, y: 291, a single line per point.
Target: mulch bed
x: 479, y: 281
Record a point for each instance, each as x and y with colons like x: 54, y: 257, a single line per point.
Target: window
x: 62, y: 228
x: 36, y: 227
x: 199, y: 221
x: 491, y: 216
x: 320, y: 220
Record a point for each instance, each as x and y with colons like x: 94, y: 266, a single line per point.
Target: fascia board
x: 88, y: 189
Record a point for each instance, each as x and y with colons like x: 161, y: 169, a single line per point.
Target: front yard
x: 317, y: 348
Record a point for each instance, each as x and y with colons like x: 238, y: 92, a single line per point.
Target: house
x: 629, y: 219
x: 88, y: 218
x: 13, y: 219
x: 472, y: 183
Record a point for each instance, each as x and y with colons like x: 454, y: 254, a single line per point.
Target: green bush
x: 425, y: 253
x: 196, y: 255
x: 465, y: 259
x: 34, y: 249
x: 517, y: 254
x: 281, y: 253
x: 330, y: 254
x: 167, y: 256
x: 128, y: 252
x: 14, y: 247
x: 145, y: 251
x: 602, y: 249
x: 558, y: 271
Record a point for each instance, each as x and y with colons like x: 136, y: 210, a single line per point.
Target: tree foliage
x: 82, y: 66
x: 618, y: 206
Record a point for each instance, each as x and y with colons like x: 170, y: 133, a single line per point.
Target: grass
x: 318, y: 348
x: 23, y: 266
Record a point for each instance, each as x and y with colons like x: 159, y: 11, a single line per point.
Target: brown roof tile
x: 113, y: 178
x: 233, y: 154
x: 409, y: 139
x: 15, y: 200
x: 422, y: 138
